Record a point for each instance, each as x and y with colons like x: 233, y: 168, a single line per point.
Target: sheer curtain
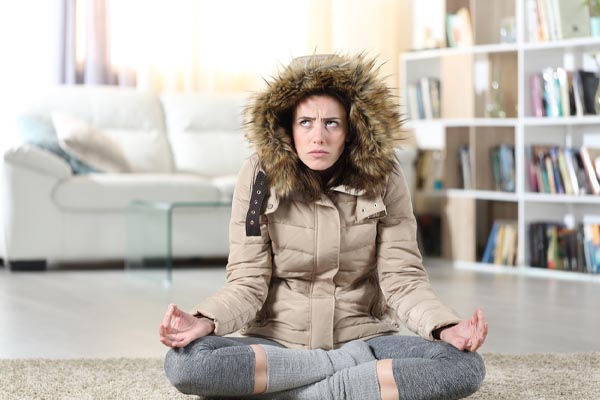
x: 190, y: 45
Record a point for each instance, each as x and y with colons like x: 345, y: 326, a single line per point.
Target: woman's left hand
x: 468, y: 334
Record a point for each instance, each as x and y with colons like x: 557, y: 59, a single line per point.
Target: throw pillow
x: 40, y: 132
x: 89, y: 144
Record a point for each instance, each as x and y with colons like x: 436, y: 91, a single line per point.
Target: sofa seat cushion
x: 116, y: 191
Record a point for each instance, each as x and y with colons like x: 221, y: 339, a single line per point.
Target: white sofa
x: 181, y: 147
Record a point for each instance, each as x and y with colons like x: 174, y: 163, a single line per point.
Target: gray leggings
x: 224, y: 366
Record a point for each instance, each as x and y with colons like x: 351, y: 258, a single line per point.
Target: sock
x: 356, y: 383
x: 291, y: 368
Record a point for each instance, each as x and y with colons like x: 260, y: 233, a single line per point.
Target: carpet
x: 533, y: 376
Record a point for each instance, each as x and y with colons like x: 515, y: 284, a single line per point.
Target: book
x: 532, y: 176
x: 565, y: 103
x: 537, y: 95
x: 577, y: 89
x: 426, y: 97
x: 590, y: 171
x: 564, y: 172
x: 551, y: 94
x: 570, y: 164
x: 488, y: 253
x: 465, y: 167
x: 532, y: 21
x: 558, y: 180
x: 413, y: 102
x: 589, y: 83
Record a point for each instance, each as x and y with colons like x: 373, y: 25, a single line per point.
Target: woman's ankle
x: 260, y: 369
x: 385, y: 378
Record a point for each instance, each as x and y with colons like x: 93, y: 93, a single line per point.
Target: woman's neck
x: 326, y: 175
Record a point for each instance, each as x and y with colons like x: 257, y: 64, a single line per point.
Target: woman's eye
x: 305, y: 122
x: 332, y: 124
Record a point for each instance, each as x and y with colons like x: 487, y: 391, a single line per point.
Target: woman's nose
x: 318, y: 134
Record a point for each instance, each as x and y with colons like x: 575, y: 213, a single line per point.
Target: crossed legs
x: 399, y: 367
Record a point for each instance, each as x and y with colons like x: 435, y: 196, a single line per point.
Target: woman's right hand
x: 178, y: 328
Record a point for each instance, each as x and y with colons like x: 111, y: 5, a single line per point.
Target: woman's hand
x: 468, y: 334
x: 178, y: 328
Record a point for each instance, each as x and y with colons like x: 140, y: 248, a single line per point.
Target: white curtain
x: 190, y: 45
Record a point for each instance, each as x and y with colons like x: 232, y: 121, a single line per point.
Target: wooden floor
x: 113, y: 313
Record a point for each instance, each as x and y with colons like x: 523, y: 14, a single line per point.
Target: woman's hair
x: 317, y: 181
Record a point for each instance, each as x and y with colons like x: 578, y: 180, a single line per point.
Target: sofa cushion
x: 131, y: 117
x: 205, y: 131
x: 40, y: 132
x: 89, y: 144
x: 117, y: 191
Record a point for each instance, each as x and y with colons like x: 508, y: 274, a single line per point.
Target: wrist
x: 437, y: 333
x: 209, y: 323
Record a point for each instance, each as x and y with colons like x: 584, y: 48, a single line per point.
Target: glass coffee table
x: 149, y: 247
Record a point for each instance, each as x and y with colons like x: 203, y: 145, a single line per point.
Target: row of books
x: 554, y: 246
x: 556, y: 19
x: 501, y: 247
x: 424, y: 99
x: 459, y: 31
x: 429, y: 169
x: 502, y: 158
x: 556, y: 92
x: 563, y: 170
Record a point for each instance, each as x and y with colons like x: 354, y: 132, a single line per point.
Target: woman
x: 324, y: 263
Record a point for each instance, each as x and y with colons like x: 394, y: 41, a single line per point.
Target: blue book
x: 488, y: 254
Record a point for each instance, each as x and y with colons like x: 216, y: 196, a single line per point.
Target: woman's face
x: 319, y: 129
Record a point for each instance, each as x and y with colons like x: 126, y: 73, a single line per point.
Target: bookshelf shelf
x: 458, y: 122
x: 561, y: 198
x: 565, y: 44
x: 461, y: 51
x: 562, y: 121
x: 526, y: 271
x: 484, y: 103
x: 470, y: 194
x: 482, y: 195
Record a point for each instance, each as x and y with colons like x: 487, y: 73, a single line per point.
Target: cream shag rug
x: 534, y: 376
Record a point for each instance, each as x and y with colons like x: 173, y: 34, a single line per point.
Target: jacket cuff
x: 216, y: 312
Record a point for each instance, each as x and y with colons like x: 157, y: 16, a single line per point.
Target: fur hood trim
x: 374, y: 121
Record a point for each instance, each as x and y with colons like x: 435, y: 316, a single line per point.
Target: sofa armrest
x: 39, y: 160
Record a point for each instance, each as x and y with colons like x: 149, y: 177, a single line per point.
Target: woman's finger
x: 169, y: 315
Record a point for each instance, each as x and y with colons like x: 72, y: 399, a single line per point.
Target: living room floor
x: 113, y: 313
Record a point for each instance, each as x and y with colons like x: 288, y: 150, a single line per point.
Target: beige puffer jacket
x: 345, y: 266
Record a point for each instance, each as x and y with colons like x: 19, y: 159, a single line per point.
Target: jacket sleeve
x: 248, y: 267
x: 403, y: 279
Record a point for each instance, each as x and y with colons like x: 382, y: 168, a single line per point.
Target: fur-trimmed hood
x: 373, y: 118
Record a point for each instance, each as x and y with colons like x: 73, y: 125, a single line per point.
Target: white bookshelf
x: 463, y: 72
